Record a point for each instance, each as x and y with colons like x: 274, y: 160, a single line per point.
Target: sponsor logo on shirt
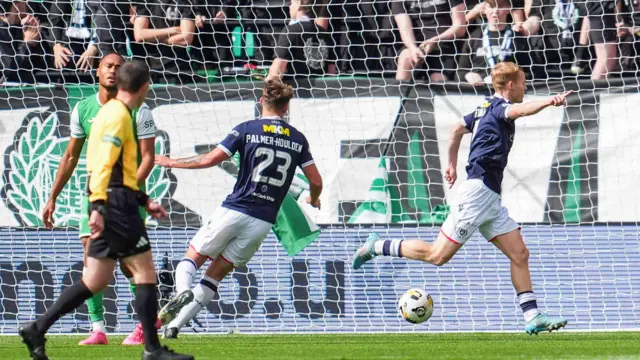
x: 148, y: 124
x: 276, y: 129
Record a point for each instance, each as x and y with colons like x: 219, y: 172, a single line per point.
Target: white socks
x: 98, y: 325
x: 203, y: 293
x: 529, y: 305
x: 388, y: 247
x: 185, y: 274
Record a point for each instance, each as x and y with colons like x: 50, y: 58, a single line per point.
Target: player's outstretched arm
x: 516, y: 111
x: 277, y: 70
x: 67, y: 165
x: 211, y: 159
x: 450, y: 173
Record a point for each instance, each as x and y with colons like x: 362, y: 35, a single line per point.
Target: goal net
x: 381, y: 147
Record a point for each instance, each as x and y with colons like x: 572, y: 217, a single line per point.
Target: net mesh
x: 377, y: 114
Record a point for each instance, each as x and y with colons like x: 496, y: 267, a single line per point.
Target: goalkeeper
x: 82, y: 118
x: 117, y: 231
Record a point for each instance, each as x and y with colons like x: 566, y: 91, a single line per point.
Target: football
x: 416, y: 306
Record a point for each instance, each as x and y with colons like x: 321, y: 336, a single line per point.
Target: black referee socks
x: 147, y: 309
x: 69, y: 299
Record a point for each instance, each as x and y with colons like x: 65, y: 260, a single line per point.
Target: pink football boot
x: 137, y: 336
x: 97, y: 337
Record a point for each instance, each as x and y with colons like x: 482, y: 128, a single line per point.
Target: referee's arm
x: 112, y: 138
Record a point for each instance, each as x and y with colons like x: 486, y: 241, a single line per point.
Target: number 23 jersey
x: 270, y: 150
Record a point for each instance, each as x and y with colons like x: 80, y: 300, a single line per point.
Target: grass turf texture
x: 555, y: 346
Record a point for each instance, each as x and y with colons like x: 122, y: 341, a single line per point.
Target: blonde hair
x: 504, y: 72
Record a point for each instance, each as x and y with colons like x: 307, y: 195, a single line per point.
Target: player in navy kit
x: 270, y: 150
x: 478, y: 205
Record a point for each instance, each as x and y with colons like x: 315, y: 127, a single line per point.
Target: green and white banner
x: 381, y: 150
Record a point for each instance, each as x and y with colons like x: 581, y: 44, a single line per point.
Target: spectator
x: 491, y: 44
x: 111, y: 20
x: 136, y: 50
x: 600, y: 28
x: 526, y: 15
x: 263, y: 20
x: 21, y: 48
x: 363, y: 32
x: 429, y: 28
x: 567, y: 17
x: 75, y: 42
x: 214, y: 35
x: 379, y: 37
x: 628, y: 30
x: 303, y: 48
x: 561, y: 28
x: 166, y: 28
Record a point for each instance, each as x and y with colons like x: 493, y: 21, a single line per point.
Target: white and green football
x: 416, y: 306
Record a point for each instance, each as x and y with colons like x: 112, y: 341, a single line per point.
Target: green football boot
x: 542, y: 322
x: 366, y: 251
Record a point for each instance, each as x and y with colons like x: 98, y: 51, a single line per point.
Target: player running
x: 478, y: 206
x: 82, y: 118
x: 117, y: 230
x: 270, y: 150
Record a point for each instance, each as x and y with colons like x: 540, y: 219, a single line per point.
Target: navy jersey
x: 492, y: 138
x: 270, y: 150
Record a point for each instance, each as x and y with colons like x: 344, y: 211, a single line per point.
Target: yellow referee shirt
x: 112, y: 152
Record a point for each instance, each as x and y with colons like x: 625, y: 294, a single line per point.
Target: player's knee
x: 145, y: 277
x: 521, y: 257
x: 197, y: 258
x: 404, y: 60
x: 95, y: 284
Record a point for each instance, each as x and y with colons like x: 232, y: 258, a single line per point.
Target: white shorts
x: 231, y: 234
x: 477, y: 207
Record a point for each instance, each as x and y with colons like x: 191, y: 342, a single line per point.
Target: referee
x: 117, y: 230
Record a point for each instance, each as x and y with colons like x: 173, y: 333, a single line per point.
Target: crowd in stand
x: 433, y: 40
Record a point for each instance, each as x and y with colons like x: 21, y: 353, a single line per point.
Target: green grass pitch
x: 562, y: 345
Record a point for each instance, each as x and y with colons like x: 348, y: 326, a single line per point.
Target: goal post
x: 381, y: 148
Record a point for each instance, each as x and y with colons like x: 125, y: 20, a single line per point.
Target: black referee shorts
x: 124, y: 232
